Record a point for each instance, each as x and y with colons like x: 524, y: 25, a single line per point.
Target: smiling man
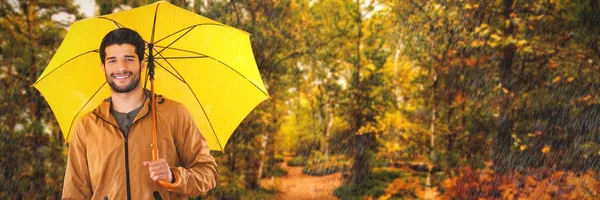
x: 110, y: 153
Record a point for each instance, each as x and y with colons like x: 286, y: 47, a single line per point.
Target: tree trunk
x: 361, y: 166
x: 399, y: 98
x: 327, y: 133
x: 261, y: 155
x: 501, y: 148
x: 232, y: 155
x: 432, y: 153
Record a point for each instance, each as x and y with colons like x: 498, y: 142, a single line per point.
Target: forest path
x: 296, y: 185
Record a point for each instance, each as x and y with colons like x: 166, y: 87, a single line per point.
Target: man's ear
x: 102, y: 65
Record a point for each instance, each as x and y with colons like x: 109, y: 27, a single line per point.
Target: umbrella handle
x: 176, y: 177
x: 168, y: 185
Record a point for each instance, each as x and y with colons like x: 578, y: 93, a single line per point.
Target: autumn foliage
x: 528, y: 184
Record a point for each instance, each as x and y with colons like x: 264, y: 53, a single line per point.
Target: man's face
x: 122, y: 67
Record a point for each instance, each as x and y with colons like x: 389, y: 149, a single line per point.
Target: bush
x: 379, y: 162
x: 231, y: 185
x: 272, y: 187
x: 278, y: 159
x: 297, y: 161
x: 374, y: 186
x: 276, y: 172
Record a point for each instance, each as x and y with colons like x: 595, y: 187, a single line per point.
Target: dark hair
x: 123, y: 36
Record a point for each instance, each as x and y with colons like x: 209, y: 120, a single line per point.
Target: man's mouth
x: 121, y: 76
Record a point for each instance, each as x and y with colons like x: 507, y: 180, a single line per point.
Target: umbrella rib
x: 172, y: 67
x: 205, y: 115
x: 182, y: 57
x: 176, y: 40
x: 154, y: 23
x: 40, y: 79
x: 205, y: 56
x: 189, y: 27
x: 178, y: 49
x: 147, y: 77
x: 197, y: 100
x: 240, y: 75
x: 116, y: 23
x: 171, y: 73
x: 80, y: 109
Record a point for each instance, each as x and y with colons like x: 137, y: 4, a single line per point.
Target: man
x: 110, y: 153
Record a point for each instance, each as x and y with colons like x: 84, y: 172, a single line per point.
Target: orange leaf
x: 538, y: 133
x: 546, y: 149
x: 470, y: 61
x: 587, y: 98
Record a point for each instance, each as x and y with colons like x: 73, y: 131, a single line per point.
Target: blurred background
x: 371, y: 99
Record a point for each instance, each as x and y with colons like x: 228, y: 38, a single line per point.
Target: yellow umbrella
x: 206, y: 65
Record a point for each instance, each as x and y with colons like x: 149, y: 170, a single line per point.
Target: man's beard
x: 134, y: 82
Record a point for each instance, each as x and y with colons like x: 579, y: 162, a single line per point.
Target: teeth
x: 120, y: 77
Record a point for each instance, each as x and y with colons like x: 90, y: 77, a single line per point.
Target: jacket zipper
x: 126, y: 150
x: 127, y: 166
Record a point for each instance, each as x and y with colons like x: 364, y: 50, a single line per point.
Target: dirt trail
x: 297, y: 185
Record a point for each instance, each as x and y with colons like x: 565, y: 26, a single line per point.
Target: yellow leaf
x: 495, y: 37
x: 556, y: 79
x: 523, y: 147
x: 510, y: 40
x: 476, y: 43
x: 492, y: 44
x: 484, y: 32
x: 570, y: 79
x: 504, y: 90
x: 546, y: 149
x: 370, y: 67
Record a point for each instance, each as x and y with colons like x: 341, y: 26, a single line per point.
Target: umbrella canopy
x: 206, y: 65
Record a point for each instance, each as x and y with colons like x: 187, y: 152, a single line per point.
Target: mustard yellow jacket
x: 103, y: 164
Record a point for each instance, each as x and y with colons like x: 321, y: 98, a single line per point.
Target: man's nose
x: 122, y: 64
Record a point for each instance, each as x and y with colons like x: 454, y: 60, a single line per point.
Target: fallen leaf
x: 546, y: 149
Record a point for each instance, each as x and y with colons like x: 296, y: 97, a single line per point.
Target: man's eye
x: 112, y: 61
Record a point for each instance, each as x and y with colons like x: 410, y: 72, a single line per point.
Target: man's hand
x: 159, y: 170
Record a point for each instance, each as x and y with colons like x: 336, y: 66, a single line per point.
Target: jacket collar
x: 103, y: 110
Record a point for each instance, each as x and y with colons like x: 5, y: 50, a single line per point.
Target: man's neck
x: 126, y: 102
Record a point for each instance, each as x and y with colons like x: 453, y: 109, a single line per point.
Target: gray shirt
x: 125, y: 119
